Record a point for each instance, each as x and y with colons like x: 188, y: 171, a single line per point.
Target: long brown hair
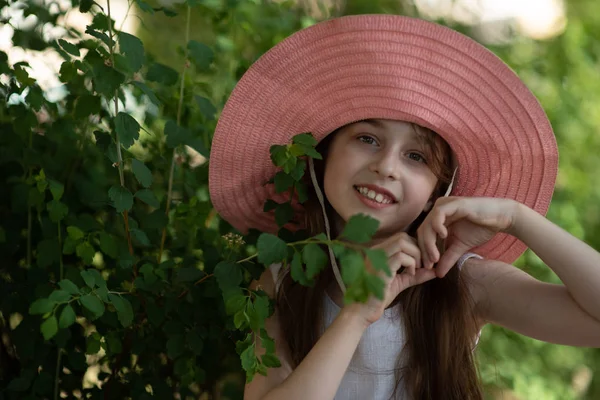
x: 437, y: 360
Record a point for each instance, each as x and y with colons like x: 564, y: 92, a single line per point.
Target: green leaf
x: 56, y: 188
x: 127, y: 128
x: 98, y: 279
x: 284, y: 213
x: 297, y: 271
x: 375, y: 285
x: 93, y: 303
x: 228, y: 274
x: 75, y: 233
x: 379, y: 260
x: 258, y: 312
x: 241, y: 319
x: 315, y: 259
x: 207, y: 109
x: 283, y: 182
x: 124, y: 309
x: 360, y: 228
x: 305, y: 139
x: 234, y: 302
x: 41, y: 306
x: 270, y: 205
x: 352, y: 267
x: 68, y: 286
x: 59, y: 296
x: 88, y: 278
x: 147, y: 91
x: 141, y: 172
x: 175, y: 346
x: 270, y: 361
x: 299, y: 170
x: 107, y: 80
x: 121, y: 197
x: 140, y: 236
x: 301, y: 191
x: 175, y: 134
x: 86, y: 252
x: 271, y: 249
x: 67, y: 72
x: 85, y: 5
x: 201, y: 55
x: 194, y: 342
x: 49, y: 327
x: 248, y: 358
x: 108, y: 245
x: 133, y: 49
x: 160, y: 73
x: 113, y: 343
x: 279, y: 155
x: 57, y: 210
x: 67, y: 317
x: 93, y: 343
x: 145, y: 6
x: 86, y: 105
x: 69, y: 47
x: 48, y: 252
x: 148, y: 197
x: 189, y: 274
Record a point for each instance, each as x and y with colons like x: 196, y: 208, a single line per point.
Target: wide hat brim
x: 390, y: 67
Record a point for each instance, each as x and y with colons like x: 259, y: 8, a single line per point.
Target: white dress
x: 371, y: 373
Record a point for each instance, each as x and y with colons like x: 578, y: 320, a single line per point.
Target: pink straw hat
x: 390, y: 67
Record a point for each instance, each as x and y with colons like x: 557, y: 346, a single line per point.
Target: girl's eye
x: 367, y: 139
x: 417, y: 157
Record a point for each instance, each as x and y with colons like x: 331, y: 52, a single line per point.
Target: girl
x: 406, y: 112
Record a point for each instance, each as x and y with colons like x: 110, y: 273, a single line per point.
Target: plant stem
x: 59, y: 351
x: 56, y: 375
x: 119, y: 154
x: 60, y: 260
x: 179, y: 110
x: 29, y: 211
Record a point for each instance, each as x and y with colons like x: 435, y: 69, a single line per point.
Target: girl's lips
x: 371, y: 203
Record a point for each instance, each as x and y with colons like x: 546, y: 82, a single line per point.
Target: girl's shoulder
x: 268, y: 280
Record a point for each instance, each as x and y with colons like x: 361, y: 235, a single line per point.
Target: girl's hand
x: 465, y: 223
x: 402, y: 251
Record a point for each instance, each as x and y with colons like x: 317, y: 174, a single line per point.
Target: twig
x: 119, y: 154
x: 179, y: 108
x: 199, y: 281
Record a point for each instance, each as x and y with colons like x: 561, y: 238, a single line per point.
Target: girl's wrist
x: 519, y: 214
x: 353, y: 314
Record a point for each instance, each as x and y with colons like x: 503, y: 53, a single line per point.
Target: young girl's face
x: 378, y: 167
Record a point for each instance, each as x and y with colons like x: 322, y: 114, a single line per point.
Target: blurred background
x: 554, y: 46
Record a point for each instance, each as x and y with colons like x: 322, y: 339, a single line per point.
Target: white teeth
x: 371, y: 194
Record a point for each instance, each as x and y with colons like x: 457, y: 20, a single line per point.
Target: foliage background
x: 151, y: 322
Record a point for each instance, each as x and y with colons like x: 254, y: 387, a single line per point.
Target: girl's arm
x: 576, y: 263
x: 507, y: 296
x: 319, y: 375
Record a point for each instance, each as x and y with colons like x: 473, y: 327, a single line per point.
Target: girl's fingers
x: 428, y: 239
x: 422, y: 276
x: 401, y: 259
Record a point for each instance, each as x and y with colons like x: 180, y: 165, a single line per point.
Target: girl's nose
x: 387, y: 165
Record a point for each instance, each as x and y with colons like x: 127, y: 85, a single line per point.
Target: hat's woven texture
x: 384, y: 66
